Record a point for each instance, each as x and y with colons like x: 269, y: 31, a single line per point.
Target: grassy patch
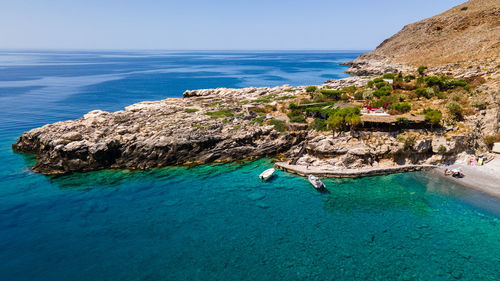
x: 279, y: 125
x: 190, y: 110
x: 220, y: 113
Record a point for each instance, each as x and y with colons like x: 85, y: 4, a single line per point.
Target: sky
x: 208, y: 24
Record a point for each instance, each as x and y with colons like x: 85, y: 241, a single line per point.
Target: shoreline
x: 484, y: 178
x: 350, y: 173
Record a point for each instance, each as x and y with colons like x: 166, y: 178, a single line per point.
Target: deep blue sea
x: 215, y: 222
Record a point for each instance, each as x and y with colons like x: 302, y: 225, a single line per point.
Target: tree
x: 421, y: 70
x: 343, y: 119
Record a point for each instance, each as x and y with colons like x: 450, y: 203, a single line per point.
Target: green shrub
x: 389, y: 76
x: 298, y: 119
x: 379, y: 85
x: 421, y: 69
x: 220, y: 113
x: 402, y: 121
x: 455, y: 110
x: 259, y: 120
x: 294, y: 113
x: 368, y: 95
x: 190, y: 110
x: 358, y: 96
x: 311, y: 89
x: 293, y: 106
x: 479, y: 104
x: 279, y: 125
x: 441, y: 95
x: 401, y: 107
x: 432, y: 116
x: 319, y: 125
x: 350, y: 89
x: 384, y: 91
x: 424, y: 92
x: 370, y: 84
x: 334, y: 94
x: 377, y: 80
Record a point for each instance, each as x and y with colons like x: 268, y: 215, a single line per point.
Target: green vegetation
x: 370, y: 84
x: 433, y: 116
x: 319, y: 125
x: 220, y: 113
x: 333, y: 94
x: 491, y: 139
x: 402, y: 121
x: 358, y: 96
x: 265, y: 99
x: 279, y: 125
x: 445, y: 83
x: 285, y: 97
x: 455, y: 110
x: 199, y: 126
x: 442, y: 149
x: 421, y: 69
x: 401, y: 107
x: 409, y: 142
x: 298, y: 119
x: 311, y: 89
x: 389, y: 76
x: 216, y: 104
x: 379, y: 85
x: 190, y: 110
x: 424, y: 92
x: 345, y: 118
x: 259, y: 120
x: 235, y: 128
x: 441, y: 95
x: 384, y: 91
x: 408, y: 78
x: 479, y: 104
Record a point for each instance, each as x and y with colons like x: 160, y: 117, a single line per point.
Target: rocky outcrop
x: 210, y: 126
x: 362, y: 150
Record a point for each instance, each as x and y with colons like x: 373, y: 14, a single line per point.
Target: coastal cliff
x: 435, y: 114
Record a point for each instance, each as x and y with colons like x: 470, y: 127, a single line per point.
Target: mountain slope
x: 465, y: 33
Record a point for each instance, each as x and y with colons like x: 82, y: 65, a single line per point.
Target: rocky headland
x: 438, y: 114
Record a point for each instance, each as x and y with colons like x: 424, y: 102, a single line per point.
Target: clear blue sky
x: 208, y: 24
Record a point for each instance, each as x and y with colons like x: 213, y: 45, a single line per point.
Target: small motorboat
x: 267, y: 174
x: 457, y: 173
x: 316, y: 182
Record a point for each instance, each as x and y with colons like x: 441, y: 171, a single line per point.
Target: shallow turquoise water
x: 217, y: 222
x: 220, y: 222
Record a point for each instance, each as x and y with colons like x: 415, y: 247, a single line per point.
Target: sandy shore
x: 484, y: 178
x: 350, y: 173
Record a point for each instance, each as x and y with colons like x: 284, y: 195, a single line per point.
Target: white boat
x: 267, y: 174
x: 316, y: 182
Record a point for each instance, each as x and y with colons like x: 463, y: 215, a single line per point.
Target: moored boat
x: 316, y: 182
x: 267, y: 174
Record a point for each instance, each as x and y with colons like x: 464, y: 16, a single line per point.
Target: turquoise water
x: 217, y: 222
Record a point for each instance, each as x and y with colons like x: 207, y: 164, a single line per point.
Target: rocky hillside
x: 468, y: 34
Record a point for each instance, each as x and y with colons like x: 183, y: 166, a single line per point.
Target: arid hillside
x: 468, y: 32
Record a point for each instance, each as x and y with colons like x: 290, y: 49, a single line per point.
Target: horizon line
x: 185, y: 50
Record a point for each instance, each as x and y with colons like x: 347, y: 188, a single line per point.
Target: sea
x: 215, y: 222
